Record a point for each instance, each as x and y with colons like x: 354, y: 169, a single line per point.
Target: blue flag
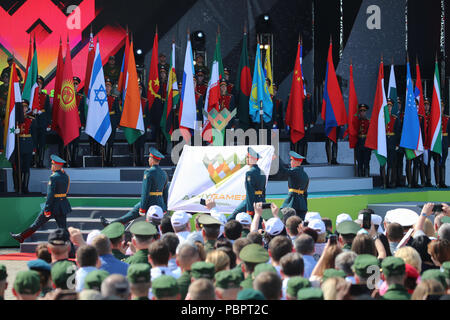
x: 260, y: 93
x: 411, y: 138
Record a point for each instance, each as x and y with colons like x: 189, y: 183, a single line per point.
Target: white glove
x: 17, y: 131
x: 148, y: 129
x: 35, y: 111
x: 39, y: 112
x: 48, y: 129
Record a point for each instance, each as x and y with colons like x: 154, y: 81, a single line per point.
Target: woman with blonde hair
x: 426, y: 288
x: 220, y: 260
x: 326, y: 261
x: 410, y: 256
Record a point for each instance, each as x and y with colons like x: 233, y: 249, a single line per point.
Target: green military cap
x: 254, y: 253
x: 143, y: 228
x: 348, y: 227
x: 201, y: 269
x: 434, y: 274
x: 332, y: 273
x: 263, y: 267
x: 114, y: 230
x: 227, y: 279
x: 3, y: 273
x: 253, y: 153
x: 445, y: 219
x: 155, y: 154
x: 139, y: 273
x: 94, y: 279
x: 27, y: 282
x: 165, y: 286
x: 61, y: 272
x: 250, y: 294
x: 362, y: 262
x: 445, y: 269
x: 310, y: 294
x: 206, y: 219
x: 57, y: 160
x: 393, y: 266
x: 296, y: 283
x: 295, y: 156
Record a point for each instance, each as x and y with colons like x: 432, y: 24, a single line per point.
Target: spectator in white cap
x: 180, y: 224
x: 245, y: 220
x: 310, y: 215
x: 273, y: 226
x: 91, y: 236
x: 221, y: 217
x: 405, y: 217
x: 155, y: 215
x: 343, y: 217
x: 319, y: 226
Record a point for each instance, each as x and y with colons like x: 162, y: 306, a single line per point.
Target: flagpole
x: 19, y: 171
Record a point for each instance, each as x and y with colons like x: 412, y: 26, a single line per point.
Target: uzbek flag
x: 376, y: 136
x: 435, y: 129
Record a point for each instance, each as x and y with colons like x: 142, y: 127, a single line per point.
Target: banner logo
x: 220, y: 169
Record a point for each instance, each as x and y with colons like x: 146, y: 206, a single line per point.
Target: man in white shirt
x: 304, y: 245
x: 87, y: 260
x: 180, y: 224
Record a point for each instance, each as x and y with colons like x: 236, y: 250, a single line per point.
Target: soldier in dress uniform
x: 417, y: 163
x: 427, y: 143
x: 278, y: 110
x: 226, y: 100
x: 155, y: 187
x: 3, y: 96
x: 56, y: 205
x: 362, y: 153
x: 443, y: 157
x: 43, y: 119
x: 162, y: 62
x: 26, y: 145
x: 255, y: 186
x: 298, y: 182
x: 199, y: 102
x: 7, y: 70
x: 400, y: 152
x: 201, y: 86
x: 200, y: 65
x: 230, y: 86
x: 114, y: 116
x: 111, y: 70
x: 391, y: 143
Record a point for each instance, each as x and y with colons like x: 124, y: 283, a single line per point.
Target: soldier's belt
x: 155, y: 193
x: 298, y: 191
x: 390, y: 133
x: 258, y: 192
x: 445, y: 134
x: 24, y: 135
x: 43, y: 110
x: 60, y: 195
x: 251, y: 213
x: 112, y: 112
x: 362, y: 136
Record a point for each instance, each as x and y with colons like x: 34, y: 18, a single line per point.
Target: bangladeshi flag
x: 435, y: 130
x: 153, y: 75
x: 67, y: 115
x: 294, y: 112
x: 244, y: 86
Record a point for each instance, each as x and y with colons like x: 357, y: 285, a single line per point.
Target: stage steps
x: 84, y: 218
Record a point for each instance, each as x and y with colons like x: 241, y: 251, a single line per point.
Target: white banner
x: 213, y: 172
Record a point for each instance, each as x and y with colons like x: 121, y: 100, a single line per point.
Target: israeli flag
x: 98, y: 124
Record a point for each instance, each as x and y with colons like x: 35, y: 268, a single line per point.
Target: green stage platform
x: 18, y: 213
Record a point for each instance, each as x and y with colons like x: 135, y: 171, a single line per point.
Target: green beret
x: 165, y: 287
x: 254, y: 253
x: 263, y: 267
x: 139, y: 273
x: 143, y: 228
x: 362, y: 262
x: 393, y: 266
x: 3, y: 273
x: 27, y: 282
x: 310, y: 294
x: 348, y: 227
x: 247, y: 283
x: 206, y: 219
x: 332, y: 273
x: 250, y: 294
x: 227, y: 279
x: 434, y: 274
x: 445, y: 269
x: 201, y: 269
x: 61, y: 272
x: 94, y: 279
x: 114, y: 230
x: 296, y: 283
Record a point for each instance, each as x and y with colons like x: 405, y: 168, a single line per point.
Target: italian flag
x: 132, y: 120
x: 376, y: 136
x: 435, y: 130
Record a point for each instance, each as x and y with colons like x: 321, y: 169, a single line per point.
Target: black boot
x: 442, y: 178
x: 334, y: 151
x: 328, y: 150
x: 437, y: 177
x: 360, y: 170
x: 428, y: 176
x: 383, y: 177
x: 20, y: 237
x: 409, y: 174
x: 103, y: 221
x: 415, y: 177
x: 422, y: 174
x: 391, y: 177
x: 367, y: 171
x: 25, y: 182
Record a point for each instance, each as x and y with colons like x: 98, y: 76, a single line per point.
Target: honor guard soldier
x: 155, y: 186
x: 255, y: 186
x: 427, y: 143
x: 56, y: 205
x: 443, y: 157
x: 43, y: 119
x: 362, y: 153
x: 201, y: 86
x: 157, y: 109
x: 7, y: 70
x: 417, y: 162
x: 230, y: 86
x: 114, y: 116
x: 278, y: 111
x: 3, y: 97
x: 331, y: 147
x: 26, y: 145
x: 199, y: 102
x: 200, y: 65
x: 111, y: 70
x: 391, y: 144
x: 298, y: 182
x: 162, y: 62
x: 400, y: 152
x: 226, y: 100
x: 143, y: 233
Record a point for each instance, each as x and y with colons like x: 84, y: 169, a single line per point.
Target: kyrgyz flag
x: 376, y: 136
x: 68, y: 118
x: 13, y: 106
x: 173, y: 97
x: 132, y: 121
x: 243, y: 85
x: 435, y: 130
x: 352, y: 112
x: 153, y: 75
x: 392, y: 91
x: 411, y: 138
x: 57, y: 90
x: 333, y: 108
x: 294, y: 112
x: 29, y: 90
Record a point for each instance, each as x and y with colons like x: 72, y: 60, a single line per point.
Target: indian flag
x: 376, y: 136
x: 13, y: 100
x: 435, y: 129
x: 132, y: 120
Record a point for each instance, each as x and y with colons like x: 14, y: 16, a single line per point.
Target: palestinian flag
x: 435, y: 130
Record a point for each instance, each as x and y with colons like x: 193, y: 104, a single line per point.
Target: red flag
x: 352, y: 112
x: 30, y: 55
x: 294, y: 112
x: 68, y: 118
x: 153, y: 75
x: 57, y: 89
x: 421, y: 110
x: 90, y: 62
x: 124, y: 69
